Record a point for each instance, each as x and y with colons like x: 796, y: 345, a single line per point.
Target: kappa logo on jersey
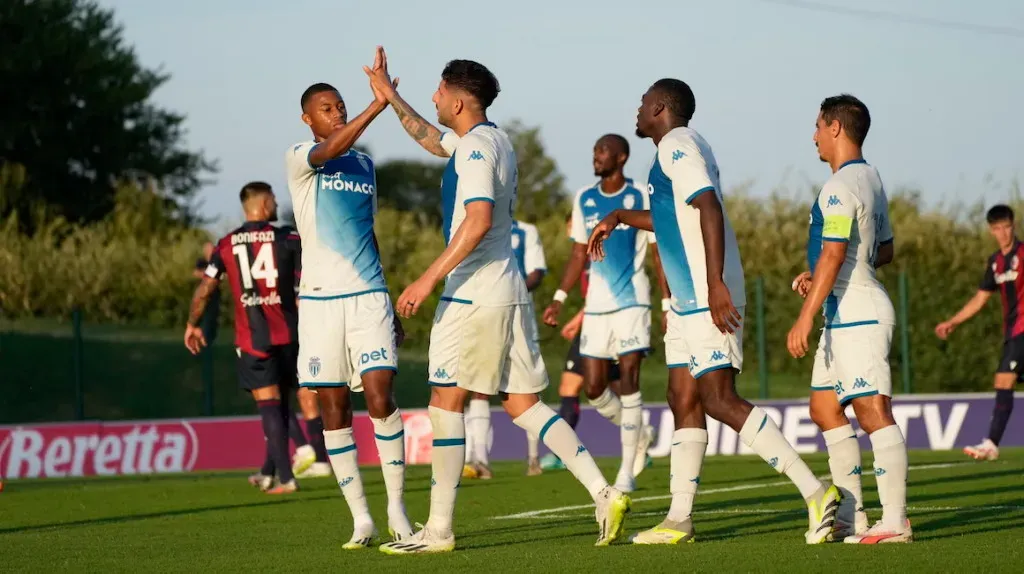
x: 833, y: 201
x: 476, y: 155
x: 338, y: 182
x: 629, y: 201
x: 314, y: 366
x: 381, y: 355
x: 677, y: 155
x: 590, y: 202
x: 860, y: 383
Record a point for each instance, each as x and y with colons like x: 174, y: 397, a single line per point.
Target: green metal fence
x: 81, y: 370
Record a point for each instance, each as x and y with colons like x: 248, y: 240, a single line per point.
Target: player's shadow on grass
x: 164, y: 514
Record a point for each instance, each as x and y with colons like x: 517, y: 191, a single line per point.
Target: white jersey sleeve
x: 533, y: 259
x: 839, y: 209
x: 475, y: 165
x: 685, y: 166
x: 578, y: 231
x: 649, y: 235
x: 450, y: 142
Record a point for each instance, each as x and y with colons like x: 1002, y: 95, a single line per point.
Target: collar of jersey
x: 852, y: 162
x: 490, y: 124
x: 597, y: 186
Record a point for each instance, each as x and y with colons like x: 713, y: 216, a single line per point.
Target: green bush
x: 136, y: 267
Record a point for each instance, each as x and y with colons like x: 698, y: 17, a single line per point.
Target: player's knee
x: 452, y: 399
x: 873, y: 413
x: 828, y: 418
x: 592, y: 389
x: 379, y: 405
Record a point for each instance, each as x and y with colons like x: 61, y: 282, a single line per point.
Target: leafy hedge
x: 134, y: 267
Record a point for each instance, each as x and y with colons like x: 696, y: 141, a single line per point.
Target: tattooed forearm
x: 418, y: 128
x: 200, y: 299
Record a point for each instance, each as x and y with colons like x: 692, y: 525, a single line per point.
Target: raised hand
x: 381, y: 84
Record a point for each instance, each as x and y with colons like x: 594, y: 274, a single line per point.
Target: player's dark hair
x: 851, y: 113
x: 621, y: 141
x: 313, y: 90
x: 677, y: 97
x: 999, y: 213
x: 473, y: 78
x: 254, y: 188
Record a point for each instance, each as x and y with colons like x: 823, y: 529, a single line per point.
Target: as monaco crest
x: 629, y: 201
x: 314, y: 366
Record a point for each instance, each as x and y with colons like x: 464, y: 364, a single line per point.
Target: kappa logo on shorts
x: 440, y: 374
x: 717, y: 356
x: 314, y: 366
x: 860, y: 383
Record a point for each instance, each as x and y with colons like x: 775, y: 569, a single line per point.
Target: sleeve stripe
x: 308, y: 162
x: 836, y: 239
x: 698, y: 192
x: 886, y: 242
x: 472, y: 199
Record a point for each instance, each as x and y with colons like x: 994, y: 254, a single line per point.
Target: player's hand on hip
x: 723, y: 313
x: 796, y: 341
x: 551, y: 314
x: 944, y: 329
x: 399, y: 332
x: 802, y: 284
x: 604, y: 228
x: 194, y: 339
x: 414, y: 295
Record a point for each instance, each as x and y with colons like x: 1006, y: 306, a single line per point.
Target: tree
x: 541, y: 186
x: 75, y: 115
x: 411, y: 185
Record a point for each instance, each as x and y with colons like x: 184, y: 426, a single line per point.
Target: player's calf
x: 874, y: 413
x: 844, y: 461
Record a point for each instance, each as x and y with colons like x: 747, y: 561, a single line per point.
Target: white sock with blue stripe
x: 609, y: 405
x: 447, y: 457
x: 844, y: 463
x: 341, y: 450
x: 629, y: 432
x: 389, y: 433
x: 891, y: 475
x: 688, y: 448
x: 562, y: 440
x: 762, y: 435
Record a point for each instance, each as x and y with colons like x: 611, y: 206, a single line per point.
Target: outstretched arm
x: 419, y: 129
x: 969, y: 310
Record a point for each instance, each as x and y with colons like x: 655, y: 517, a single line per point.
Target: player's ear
x: 834, y: 128
x: 307, y: 120
x: 457, y: 106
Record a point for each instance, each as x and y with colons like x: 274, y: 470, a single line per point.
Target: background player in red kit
x: 261, y: 262
x: 1001, y: 274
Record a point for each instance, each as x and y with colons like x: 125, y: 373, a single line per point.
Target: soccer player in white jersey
x: 348, y: 332
x: 850, y: 236
x: 617, y: 311
x: 481, y: 340
x: 703, y: 344
x: 529, y: 254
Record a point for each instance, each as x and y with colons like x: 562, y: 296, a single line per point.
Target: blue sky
x: 945, y: 103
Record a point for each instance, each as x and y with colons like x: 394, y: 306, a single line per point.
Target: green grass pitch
x: 966, y: 516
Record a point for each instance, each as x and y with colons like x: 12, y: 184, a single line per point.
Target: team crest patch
x: 363, y: 164
x: 629, y: 201
x: 314, y: 366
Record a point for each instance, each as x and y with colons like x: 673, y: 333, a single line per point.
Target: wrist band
x: 560, y: 296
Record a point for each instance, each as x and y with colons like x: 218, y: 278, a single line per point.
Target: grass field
x: 966, y: 516
x: 145, y: 373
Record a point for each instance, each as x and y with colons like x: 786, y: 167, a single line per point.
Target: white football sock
x: 478, y: 425
x: 688, y: 448
x: 447, y: 458
x: 762, y: 435
x: 891, y: 475
x: 844, y: 464
x: 609, y: 405
x: 629, y: 432
x: 532, y: 442
x: 341, y: 450
x: 562, y: 440
x: 389, y: 434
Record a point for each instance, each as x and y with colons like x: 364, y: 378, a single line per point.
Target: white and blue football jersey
x: 619, y: 281
x: 334, y: 209
x: 683, y: 169
x: 852, y: 207
x: 527, y: 248
x: 482, y: 168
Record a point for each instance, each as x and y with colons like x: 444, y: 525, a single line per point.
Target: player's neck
x: 466, y: 122
x: 613, y: 182
x: 845, y: 155
x: 663, y: 131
